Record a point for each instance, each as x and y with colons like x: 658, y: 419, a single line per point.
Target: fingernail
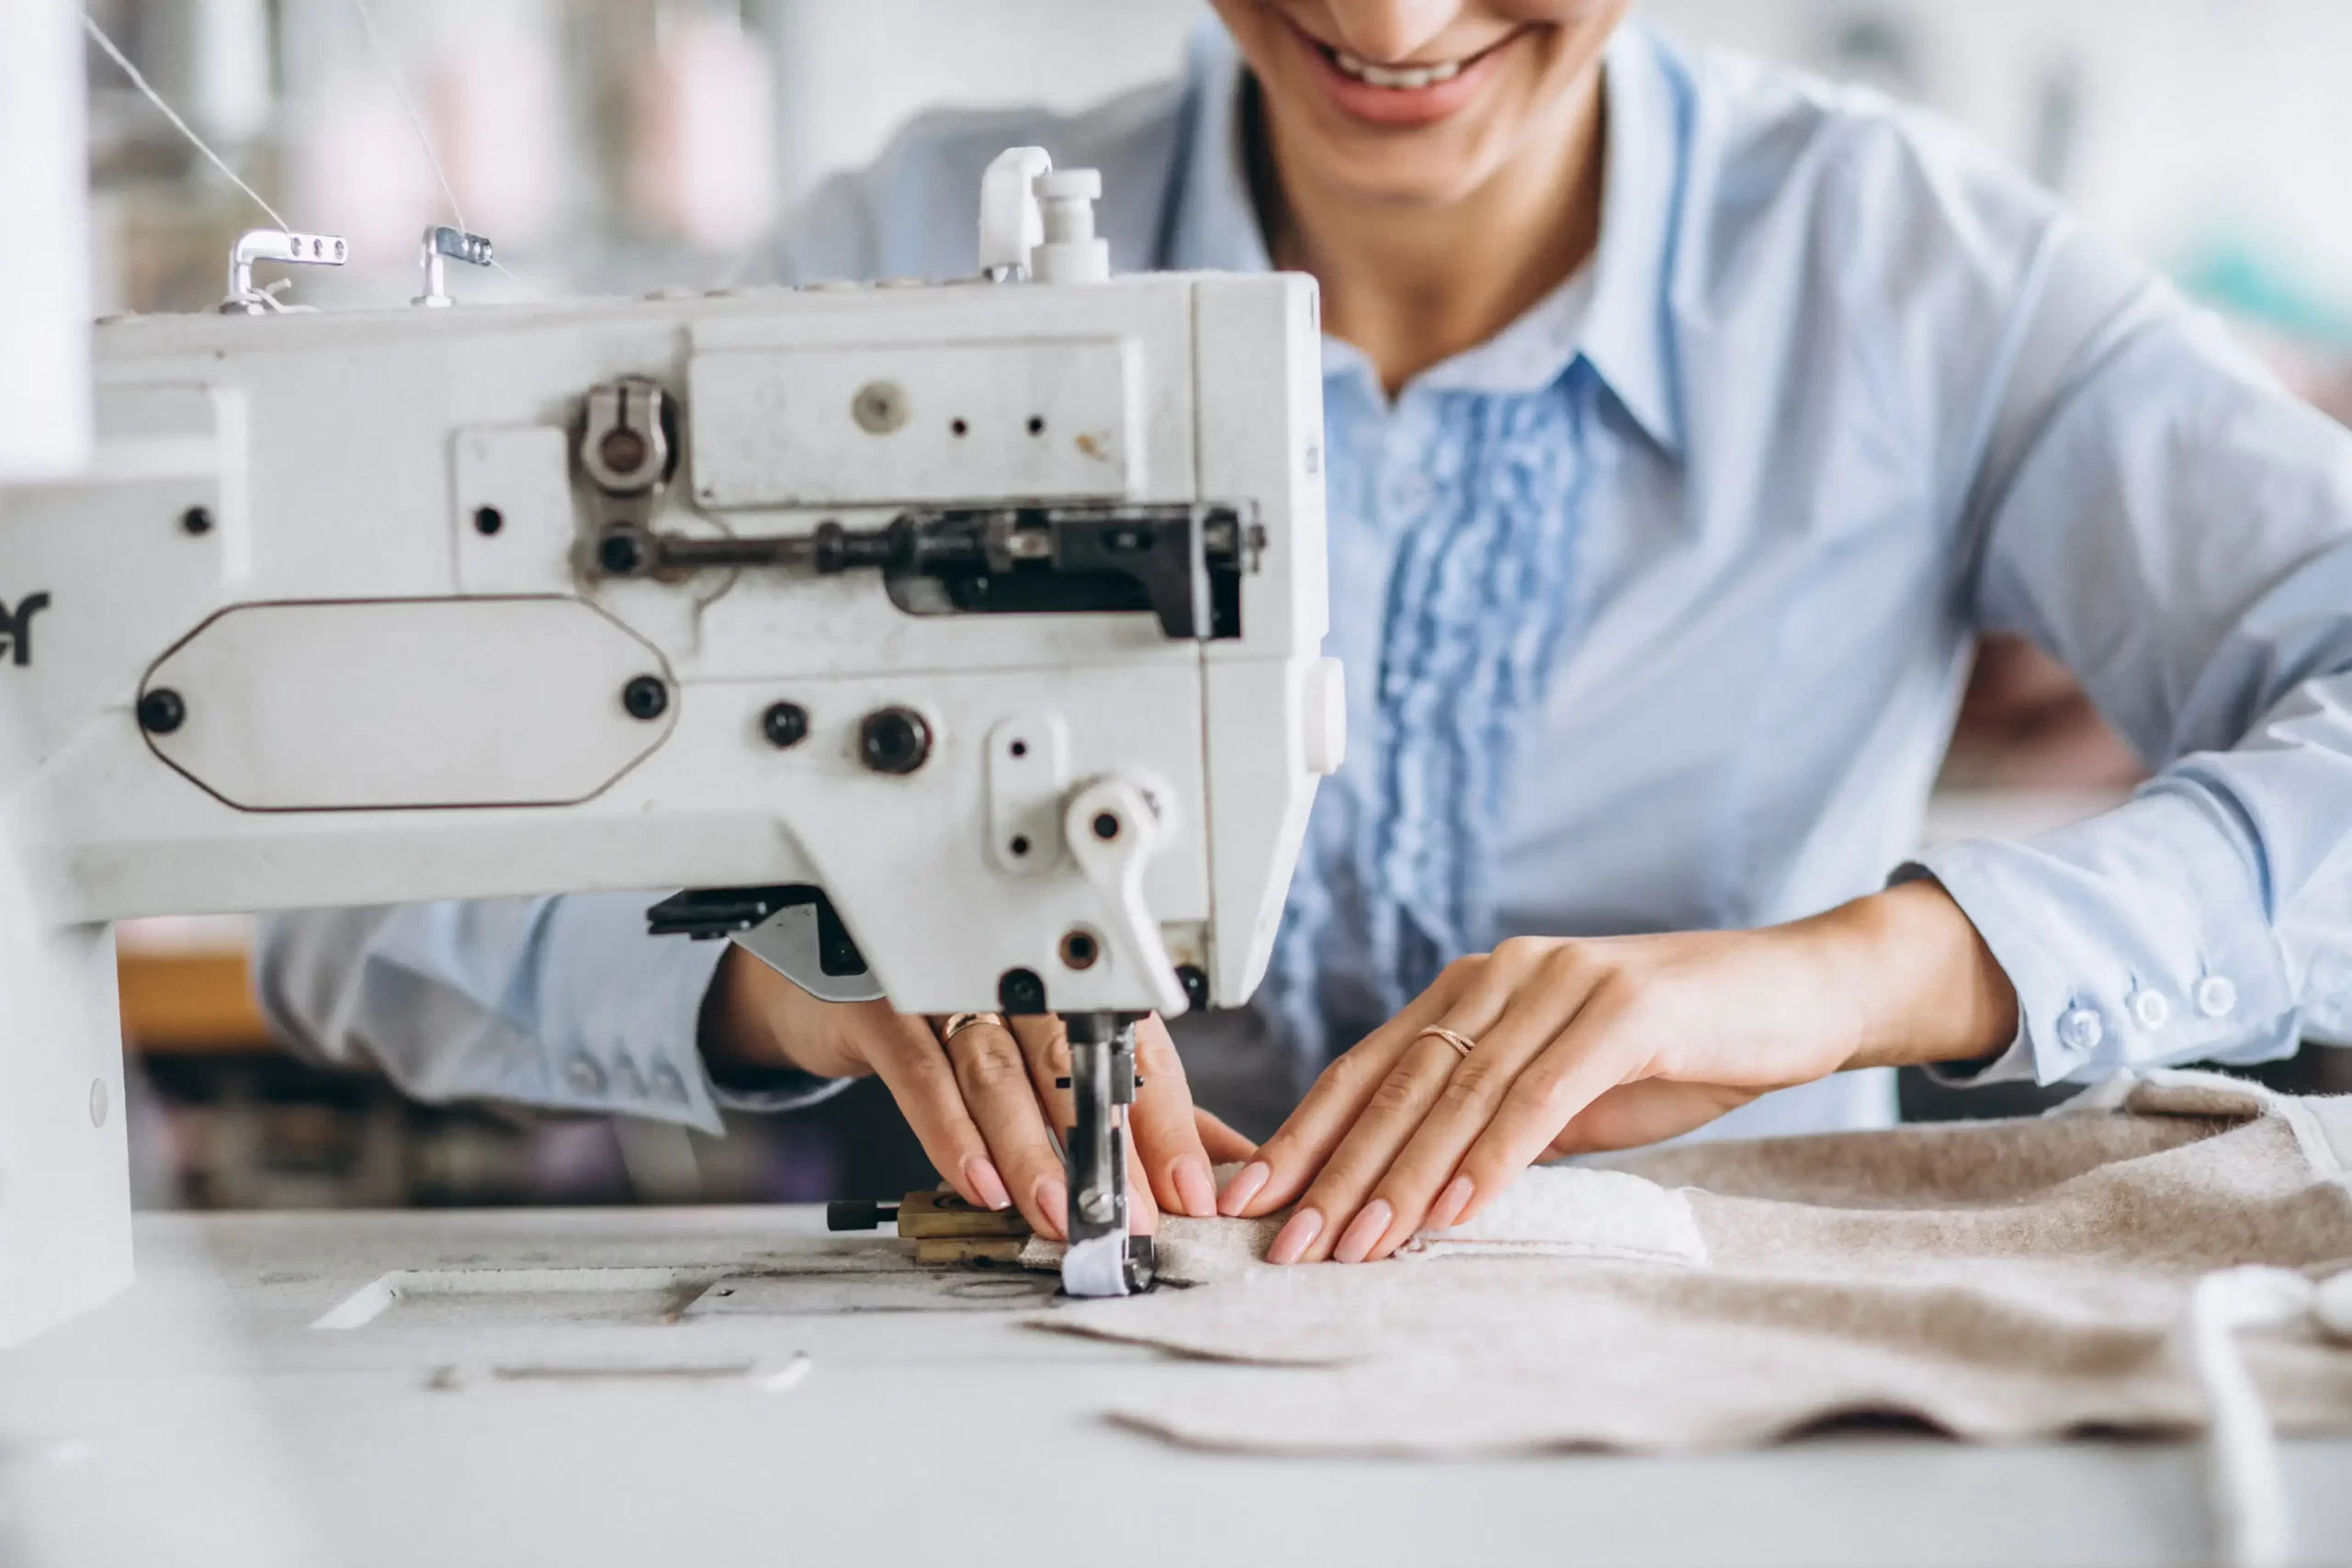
x: 1295, y: 1237
x: 979, y: 1175
x: 1370, y: 1224
x: 1052, y: 1197
x: 1450, y: 1203
x: 1247, y: 1183
x: 1195, y: 1188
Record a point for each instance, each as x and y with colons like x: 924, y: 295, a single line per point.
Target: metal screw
x: 196, y: 520
x: 894, y: 741
x: 161, y: 711
x: 619, y: 554
x: 1080, y: 949
x: 879, y: 408
x: 1094, y: 1206
x: 487, y: 520
x: 645, y: 697
x: 786, y: 725
x: 623, y: 451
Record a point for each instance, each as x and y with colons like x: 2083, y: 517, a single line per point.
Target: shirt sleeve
x: 565, y: 1003
x: 2177, y: 529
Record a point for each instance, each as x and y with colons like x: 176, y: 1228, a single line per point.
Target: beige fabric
x: 1997, y: 1280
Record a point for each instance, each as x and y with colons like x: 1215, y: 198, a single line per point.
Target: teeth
x: 1403, y: 78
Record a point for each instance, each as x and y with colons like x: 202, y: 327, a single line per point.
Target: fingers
x: 1379, y: 1186
x: 1047, y: 1050
x: 1398, y: 1107
x: 1583, y: 1064
x: 1548, y: 1029
x: 906, y: 1055
x: 1165, y: 1139
x: 992, y: 1073
x: 1289, y: 1160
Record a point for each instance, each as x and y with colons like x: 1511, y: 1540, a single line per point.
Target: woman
x: 1687, y: 421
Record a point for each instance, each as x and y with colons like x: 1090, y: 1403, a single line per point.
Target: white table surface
x: 610, y: 1412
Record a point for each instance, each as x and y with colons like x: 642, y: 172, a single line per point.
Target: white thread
x: 98, y: 34
x: 2253, y: 1525
x: 417, y: 123
x: 399, y: 91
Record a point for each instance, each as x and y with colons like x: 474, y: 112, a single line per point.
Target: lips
x: 1406, y: 93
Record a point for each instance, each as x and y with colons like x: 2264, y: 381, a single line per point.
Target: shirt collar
x: 1623, y: 329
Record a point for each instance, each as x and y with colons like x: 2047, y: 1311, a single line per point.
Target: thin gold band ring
x: 959, y: 1022
x: 1461, y: 1043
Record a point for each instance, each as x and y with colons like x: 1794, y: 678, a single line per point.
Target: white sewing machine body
x: 336, y: 619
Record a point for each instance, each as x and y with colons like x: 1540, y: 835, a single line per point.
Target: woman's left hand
x: 1583, y: 1046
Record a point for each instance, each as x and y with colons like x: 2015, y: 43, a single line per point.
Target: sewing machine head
x: 966, y: 634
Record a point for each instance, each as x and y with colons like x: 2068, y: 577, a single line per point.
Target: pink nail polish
x: 1370, y: 1224
x: 1247, y: 1183
x: 1195, y: 1189
x: 1295, y: 1237
x: 1052, y: 1195
x: 979, y: 1175
x: 1450, y: 1203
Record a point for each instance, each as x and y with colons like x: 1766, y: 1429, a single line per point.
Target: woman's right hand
x: 984, y: 1105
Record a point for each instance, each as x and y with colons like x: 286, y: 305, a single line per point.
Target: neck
x: 1413, y: 285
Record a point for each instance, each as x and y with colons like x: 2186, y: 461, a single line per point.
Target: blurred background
x: 619, y: 145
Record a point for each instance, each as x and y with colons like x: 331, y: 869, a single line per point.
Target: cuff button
x: 2151, y: 1010
x: 2081, y: 1029
x: 632, y: 1081
x: 2217, y: 996
x: 668, y: 1084
x: 584, y: 1076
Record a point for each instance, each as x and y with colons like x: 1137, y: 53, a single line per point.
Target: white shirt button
x: 584, y: 1076
x: 2217, y: 996
x: 2151, y: 1008
x: 668, y: 1084
x: 2081, y: 1029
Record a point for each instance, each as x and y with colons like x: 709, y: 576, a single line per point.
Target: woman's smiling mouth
x: 1404, y: 93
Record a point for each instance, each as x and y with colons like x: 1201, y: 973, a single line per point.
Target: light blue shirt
x: 1656, y: 607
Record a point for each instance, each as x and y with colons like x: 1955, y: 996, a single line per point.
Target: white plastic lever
x: 1113, y: 830
x: 1011, y: 222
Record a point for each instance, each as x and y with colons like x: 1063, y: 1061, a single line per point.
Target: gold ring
x: 959, y: 1022
x: 1461, y: 1043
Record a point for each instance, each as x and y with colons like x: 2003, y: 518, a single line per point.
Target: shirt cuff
x: 2137, y: 939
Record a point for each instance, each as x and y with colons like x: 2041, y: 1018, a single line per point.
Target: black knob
x: 487, y: 520
x: 1195, y: 981
x: 894, y: 741
x: 161, y: 711
x: 645, y: 697
x: 786, y: 725
x: 1020, y: 993
x: 196, y: 520
x: 619, y: 554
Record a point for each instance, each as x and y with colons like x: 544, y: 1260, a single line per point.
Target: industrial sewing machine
x: 958, y: 644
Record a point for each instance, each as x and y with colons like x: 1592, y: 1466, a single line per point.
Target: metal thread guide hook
x: 274, y: 245
x: 441, y: 244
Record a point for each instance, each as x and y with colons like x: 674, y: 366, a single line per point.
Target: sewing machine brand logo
x: 17, y: 626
